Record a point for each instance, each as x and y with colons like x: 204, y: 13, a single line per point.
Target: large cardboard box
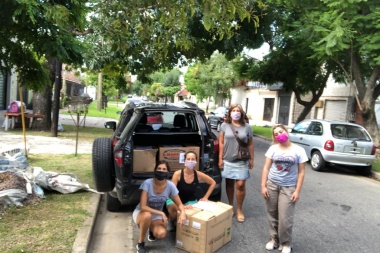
x: 144, y: 159
x: 207, y: 228
x: 175, y: 156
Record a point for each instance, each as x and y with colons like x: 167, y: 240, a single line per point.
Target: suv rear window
x: 172, y: 121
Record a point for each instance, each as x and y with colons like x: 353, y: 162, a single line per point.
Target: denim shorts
x: 236, y: 170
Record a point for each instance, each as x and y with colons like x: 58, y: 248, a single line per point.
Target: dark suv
x: 121, y: 163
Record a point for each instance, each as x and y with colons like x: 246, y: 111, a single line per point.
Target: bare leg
x: 240, y: 196
x: 172, y: 210
x: 143, y: 220
x: 230, y: 188
x: 158, y: 229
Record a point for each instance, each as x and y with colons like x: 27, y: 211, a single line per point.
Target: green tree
x: 340, y: 37
x: 213, y: 78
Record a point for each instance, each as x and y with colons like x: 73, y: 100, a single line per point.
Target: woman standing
x: 187, y: 182
x: 281, y: 183
x: 235, y: 171
x: 148, y: 213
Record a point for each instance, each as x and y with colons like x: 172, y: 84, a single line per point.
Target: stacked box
x: 144, y: 159
x: 175, y: 156
x: 207, y: 228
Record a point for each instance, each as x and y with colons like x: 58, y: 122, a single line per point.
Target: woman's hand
x: 221, y: 164
x: 264, y: 192
x: 250, y: 165
x: 164, y: 218
x: 295, y: 196
x: 188, y: 207
x: 182, y: 218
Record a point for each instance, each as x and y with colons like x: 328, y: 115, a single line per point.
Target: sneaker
x: 141, y: 247
x: 151, y: 237
x: 279, y: 247
x: 170, y: 226
x: 271, y: 245
x: 286, y: 249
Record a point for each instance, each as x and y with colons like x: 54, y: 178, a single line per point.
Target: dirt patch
x: 11, y: 180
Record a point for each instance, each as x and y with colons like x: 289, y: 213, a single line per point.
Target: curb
x: 84, y: 235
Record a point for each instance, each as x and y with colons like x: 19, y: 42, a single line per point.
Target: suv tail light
x: 329, y: 145
x: 216, y: 145
x: 119, y: 158
x: 373, y: 151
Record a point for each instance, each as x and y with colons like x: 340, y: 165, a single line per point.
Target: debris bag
x: 13, y: 159
x: 61, y: 182
x: 12, y: 197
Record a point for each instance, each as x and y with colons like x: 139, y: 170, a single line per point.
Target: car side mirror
x: 110, y: 125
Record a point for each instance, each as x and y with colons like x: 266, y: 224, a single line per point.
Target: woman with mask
x: 235, y: 171
x: 281, y: 183
x: 187, y: 181
x: 148, y: 214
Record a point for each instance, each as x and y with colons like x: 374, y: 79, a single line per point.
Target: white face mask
x: 190, y: 164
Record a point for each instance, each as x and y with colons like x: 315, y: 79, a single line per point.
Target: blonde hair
x: 274, y: 141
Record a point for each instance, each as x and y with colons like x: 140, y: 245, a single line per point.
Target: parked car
x: 335, y: 142
x: 120, y: 165
x: 216, y: 118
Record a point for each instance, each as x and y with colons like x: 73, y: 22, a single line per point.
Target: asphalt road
x: 339, y: 211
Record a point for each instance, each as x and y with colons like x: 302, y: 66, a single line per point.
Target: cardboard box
x: 144, y: 159
x: 175, y: 156
x: 207, y: 228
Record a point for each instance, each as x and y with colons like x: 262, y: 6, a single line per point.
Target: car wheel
x: 218, y: 127
x: 364, y: 170
x: 102, y: 165
x: 317, y: 162
x: 113, y: 204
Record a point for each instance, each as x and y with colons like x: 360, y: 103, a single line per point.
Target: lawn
x: 111, y: 111
x: 52, y: 224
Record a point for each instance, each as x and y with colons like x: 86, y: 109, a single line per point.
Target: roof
x: 183, y: 92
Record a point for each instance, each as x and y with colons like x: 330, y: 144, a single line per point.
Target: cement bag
x: 61, y: 182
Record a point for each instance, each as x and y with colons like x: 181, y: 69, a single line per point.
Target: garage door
x: 336, y: 110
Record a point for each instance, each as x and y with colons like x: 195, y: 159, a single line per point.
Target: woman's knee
x: 160, y: 232
x: 145, y: 217
x: 240, y: 185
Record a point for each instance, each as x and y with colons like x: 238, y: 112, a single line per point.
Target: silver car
x: 335, y: 142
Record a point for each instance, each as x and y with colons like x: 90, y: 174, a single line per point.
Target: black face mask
x: 161, y: 175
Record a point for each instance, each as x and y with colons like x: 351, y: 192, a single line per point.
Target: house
x: 9, y: 89
x: 268, y: 105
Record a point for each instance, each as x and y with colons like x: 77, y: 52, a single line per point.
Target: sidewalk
x: 49, y: 145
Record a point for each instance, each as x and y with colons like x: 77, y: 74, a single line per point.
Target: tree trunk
x: 57, y: 95
x: 369, y: 118
x: 42, y: 101
x: 99, y: 93
x: 42, y: 105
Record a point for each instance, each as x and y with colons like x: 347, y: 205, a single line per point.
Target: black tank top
x: 187, y: 191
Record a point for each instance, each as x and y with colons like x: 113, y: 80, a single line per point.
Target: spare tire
x: 102, y: 165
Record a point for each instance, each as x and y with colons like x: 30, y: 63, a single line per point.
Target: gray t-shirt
x: 284, y: 168
x: 157, y: 201
x: 231, y: 145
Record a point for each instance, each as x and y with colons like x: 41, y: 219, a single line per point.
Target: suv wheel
x: 113, y: 204
x: 317, y: 162
x: 102, y: 166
